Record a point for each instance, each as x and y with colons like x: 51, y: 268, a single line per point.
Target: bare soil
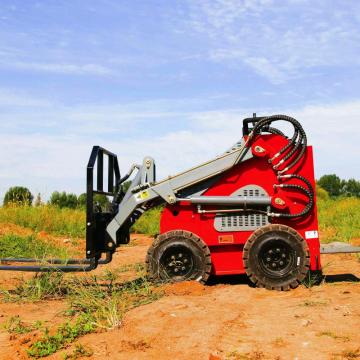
x: 227, y: 319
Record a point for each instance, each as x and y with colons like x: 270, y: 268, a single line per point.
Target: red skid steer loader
x: 251, y: 210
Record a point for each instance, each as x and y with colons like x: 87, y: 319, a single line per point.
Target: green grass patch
x: 94, y: 303
x: 149, y: 222
x: 339, y: 219
x: 43, y: 286
x: 15, y: 325
x: 69, y: 222
x: 64, y: 335
x: 80, y: 351
x: 16, y: 246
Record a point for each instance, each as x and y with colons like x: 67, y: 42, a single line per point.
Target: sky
x: 170, y: 79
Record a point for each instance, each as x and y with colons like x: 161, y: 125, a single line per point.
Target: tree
x: 63, y: 200
x: 331, y: 183
x: 102, y: 200
x: 350, y: 187
x: 18, y: 195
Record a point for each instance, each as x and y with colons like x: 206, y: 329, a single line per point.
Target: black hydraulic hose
x: 293, y: 151
x: 299, y: 140
x: 290, y: 143
x: 309, y: 192
x: 297, y: 159
x: 305, y: 210
x: 297, y: 126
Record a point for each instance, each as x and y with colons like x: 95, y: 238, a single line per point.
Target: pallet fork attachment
x: 97, y: 242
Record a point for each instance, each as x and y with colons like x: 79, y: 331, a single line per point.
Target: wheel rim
x: 177, y: 261
x: 276, y: 258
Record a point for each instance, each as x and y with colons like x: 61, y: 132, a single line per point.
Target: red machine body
x: 226, y: 247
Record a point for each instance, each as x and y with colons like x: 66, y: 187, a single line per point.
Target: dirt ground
x: 226, y: 319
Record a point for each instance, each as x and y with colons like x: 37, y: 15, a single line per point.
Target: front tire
x: 276, y: 257
x: 178, y: 256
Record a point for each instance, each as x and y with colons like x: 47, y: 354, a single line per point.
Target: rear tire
x: 276, y: 257
x: 178, y: 256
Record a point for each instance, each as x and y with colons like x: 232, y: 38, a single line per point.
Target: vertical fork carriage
x: 98, y: 242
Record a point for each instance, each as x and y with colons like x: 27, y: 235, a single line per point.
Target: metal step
x: 338, y: 248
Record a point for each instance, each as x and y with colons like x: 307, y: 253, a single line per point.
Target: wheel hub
x: 276, y: 258
x: 177, y: 261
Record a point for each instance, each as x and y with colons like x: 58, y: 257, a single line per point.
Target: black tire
x: 178, y: 256
x: 276, y: 257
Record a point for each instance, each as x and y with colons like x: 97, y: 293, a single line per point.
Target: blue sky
x: 171, y: 79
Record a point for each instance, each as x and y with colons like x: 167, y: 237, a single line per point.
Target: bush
x: 350, y: 187
x: 63, y: 200
x: 18, y: 195
x: 102, y: 200
x: 331, y: 183
x: 321, y: 193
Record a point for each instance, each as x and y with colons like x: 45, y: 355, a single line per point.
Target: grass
x: 69, y: 222
x: 149, y: 222
x: 14, y: 246
x: 64, y: 335
x: 311, y: 303
x: 349, y: 354
x: 94, y: 303
x: 43, y: 286
x: 14, y: 325
x: 339, y: 219
x: 334, y: 336
x: 80, y: 351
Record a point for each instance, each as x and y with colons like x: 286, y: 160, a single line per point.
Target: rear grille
x: 239, y: 221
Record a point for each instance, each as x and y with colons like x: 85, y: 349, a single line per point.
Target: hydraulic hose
x: 293, y: 151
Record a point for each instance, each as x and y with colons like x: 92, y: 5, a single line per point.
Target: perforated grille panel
x: 239, y: 221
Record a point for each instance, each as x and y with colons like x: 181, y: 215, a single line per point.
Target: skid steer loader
x: 250, y: 210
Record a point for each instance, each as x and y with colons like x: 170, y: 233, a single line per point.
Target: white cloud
x: 278, y: 40
x: 59, y: 68
x: 14, y: 98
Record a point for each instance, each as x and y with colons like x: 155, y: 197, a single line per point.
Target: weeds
x: 108, y: 301
x: 15, y: 325
x: 15, y: 246
x: 65, y: 334
x: 349, y: 354
x: 42, y: 286
x: 311, y: 303
x: 149, y: 222
x: 312, y: 278
x: 254, y: 355
x: 94, y: 303
x: 69, y: 222
x: 334, y: 336
x: 339, y: 219
x: 79, y: 352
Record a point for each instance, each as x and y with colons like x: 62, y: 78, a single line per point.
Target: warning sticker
x: 142, y: 196
x: 226, y: 239
x: 311, y: 234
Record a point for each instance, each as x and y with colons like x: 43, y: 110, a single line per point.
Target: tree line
x: 22, y: 196
x: 338, y: 187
